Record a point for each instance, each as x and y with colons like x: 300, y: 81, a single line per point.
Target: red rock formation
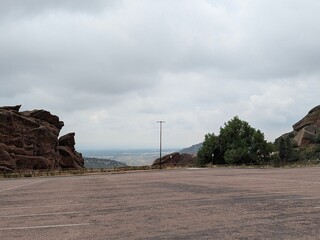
x: 312, y: 118
x: 176, y: 160
x: 29, y: 140
x: 305, y: 131
x: 70, y: 158
x: 307, y: 128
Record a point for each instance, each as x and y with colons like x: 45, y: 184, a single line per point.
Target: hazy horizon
x: 132, y: 157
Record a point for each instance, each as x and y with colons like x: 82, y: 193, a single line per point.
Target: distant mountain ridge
x: 193, y: 150
x: 92, y: 162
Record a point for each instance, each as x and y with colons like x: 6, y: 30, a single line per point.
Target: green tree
x: 285, y: 146
x: 237, y: 143
x: 208, y: 148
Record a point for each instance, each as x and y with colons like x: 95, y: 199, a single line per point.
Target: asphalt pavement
x: 217, y: 203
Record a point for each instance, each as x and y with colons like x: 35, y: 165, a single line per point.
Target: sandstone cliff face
x: 29, y: 140
x: 307, y: 129
x: 311, y: 119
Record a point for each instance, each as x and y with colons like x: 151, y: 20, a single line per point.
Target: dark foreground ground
x: 170, y: 204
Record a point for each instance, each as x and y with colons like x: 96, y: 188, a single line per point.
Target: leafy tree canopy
x: 237, y: 143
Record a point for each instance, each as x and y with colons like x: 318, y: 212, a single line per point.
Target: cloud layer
x: 111, y: 69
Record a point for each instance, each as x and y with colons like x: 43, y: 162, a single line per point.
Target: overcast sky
x: 111, y: 69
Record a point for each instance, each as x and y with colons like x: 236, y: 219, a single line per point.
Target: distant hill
x: 91, y: 162
x: 193, y: 150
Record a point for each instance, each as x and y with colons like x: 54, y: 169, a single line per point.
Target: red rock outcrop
x: 176, y: 160
x: 307, y: 129
x: 29, y: 140
x: 70, y: 158
x: 311, y: 119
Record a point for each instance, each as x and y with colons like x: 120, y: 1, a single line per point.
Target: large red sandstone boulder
x: 312, y: 118
x: 70, y: 158
x: 176, y: 160
x: 67, y: 150
x: 307, y: 129
x: 67, y: 140
x: 29, y: 140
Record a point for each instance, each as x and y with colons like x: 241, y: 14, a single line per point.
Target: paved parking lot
x: 220, y: 203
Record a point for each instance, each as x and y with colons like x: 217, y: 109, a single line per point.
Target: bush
x: 275, y: 160
x: 237, y: 143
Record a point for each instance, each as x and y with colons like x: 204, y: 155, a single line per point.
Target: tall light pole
x: 160, y: 140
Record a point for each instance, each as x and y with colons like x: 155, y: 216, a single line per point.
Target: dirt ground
x: 219, y: 203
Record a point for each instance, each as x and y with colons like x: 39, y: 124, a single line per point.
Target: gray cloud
x: 25, y: 9
x: 195, y: 63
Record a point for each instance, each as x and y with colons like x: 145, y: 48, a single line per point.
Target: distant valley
x: 130, y: 157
